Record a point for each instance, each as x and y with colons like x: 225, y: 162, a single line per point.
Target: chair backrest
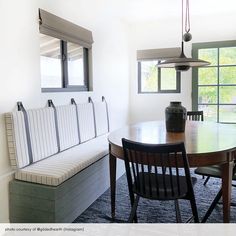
x: 195, y: 115
x: 156, y: 171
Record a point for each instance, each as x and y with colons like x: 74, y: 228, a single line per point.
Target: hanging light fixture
x: 183, y: 63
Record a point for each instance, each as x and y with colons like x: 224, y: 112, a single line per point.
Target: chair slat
x: 195, y: 115
x: 171, y: 176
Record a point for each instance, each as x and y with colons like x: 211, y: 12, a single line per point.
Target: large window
x: 214, y: 86
x: 65, y: 55
x: 64, y: 65
x: 152, y: 79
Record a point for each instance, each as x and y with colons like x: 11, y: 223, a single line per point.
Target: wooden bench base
x: 36, y: 203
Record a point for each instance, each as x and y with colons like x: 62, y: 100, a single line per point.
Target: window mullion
x: 218, y: 87
x: 139, y: 77
x: 158, y: 79
x: 64, y: 65
x: 86, y: 67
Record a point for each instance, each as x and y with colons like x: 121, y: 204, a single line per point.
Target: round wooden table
x: 206, y: 143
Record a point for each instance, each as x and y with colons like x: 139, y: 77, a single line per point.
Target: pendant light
x: 183, y: 63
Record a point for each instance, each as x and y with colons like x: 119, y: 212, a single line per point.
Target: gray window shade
x: 154, y: 54
x: 59, y: 28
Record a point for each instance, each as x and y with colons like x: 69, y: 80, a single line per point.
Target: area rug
x: 150, y: 211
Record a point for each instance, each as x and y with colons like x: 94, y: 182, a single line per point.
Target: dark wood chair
x: 195, y: 115
x: 214, y: 171
x: 158, y: 172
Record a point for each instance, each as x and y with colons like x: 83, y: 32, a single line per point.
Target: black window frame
x: 64, y: 69
x: 159, y: 78
x: 195, y: 85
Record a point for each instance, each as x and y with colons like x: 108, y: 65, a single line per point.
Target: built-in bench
x: 60, y: 157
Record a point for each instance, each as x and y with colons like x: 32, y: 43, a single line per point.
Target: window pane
x: 75, y: 64
x: 227, y: 113
x: 149, y: 76
x: 227, y: 94
x: 168, y: 79
x: 207, y: 75
x: 50, y: 62
x: 228, y: 56
x: 228, y: 75
x: 208, y: 54
x: 207, y: 94
x: 209, y: 112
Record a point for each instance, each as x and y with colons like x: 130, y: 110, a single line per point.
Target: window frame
x: 159, y: 90
x: 64, y: 69
x: 195, y: 85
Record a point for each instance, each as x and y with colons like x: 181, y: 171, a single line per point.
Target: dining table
x: 206, y: 143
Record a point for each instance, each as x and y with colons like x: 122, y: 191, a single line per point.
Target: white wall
x: 114, y: 61
x: 20, y: 68
x: 163, y: 34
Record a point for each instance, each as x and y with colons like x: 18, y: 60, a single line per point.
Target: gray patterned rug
x: 156, y: 211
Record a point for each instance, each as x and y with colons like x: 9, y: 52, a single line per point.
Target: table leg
x: 227, y: 169
x: 112, y: 164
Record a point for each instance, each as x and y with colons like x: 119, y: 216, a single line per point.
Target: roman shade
x: 57, y: 27
x: 154, y: 54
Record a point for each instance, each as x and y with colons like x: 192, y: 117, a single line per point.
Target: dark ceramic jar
x: 175, y: 117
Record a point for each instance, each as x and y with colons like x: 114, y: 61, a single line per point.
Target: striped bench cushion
x: 101, y: 118
x: 60, y: 167
x: 16, y: 138
x: 42, y: 133
x: 86, y: 121
x: 67, y: 126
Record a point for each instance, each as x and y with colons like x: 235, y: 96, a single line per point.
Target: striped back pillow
x: 16, y: 138
x: 101, y: 117
x: 42, y: 131
x: 67, y: 126
x: 86, y: 121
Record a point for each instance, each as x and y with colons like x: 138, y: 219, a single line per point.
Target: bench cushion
x: 67, y: 126
x: 60, y: 167
x: 86, y: 121
x: 16, y: 138
x: 101, y: 117
x: 42, y: 133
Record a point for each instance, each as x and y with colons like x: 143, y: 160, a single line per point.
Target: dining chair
x: 158, y: 172
x: 214, y: 171
x: 195, y: 115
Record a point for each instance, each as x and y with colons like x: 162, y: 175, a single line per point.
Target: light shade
x: 182, y: 63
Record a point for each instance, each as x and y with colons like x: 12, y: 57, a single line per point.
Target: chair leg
x: 133, y: 215
x: 177, y: 211
x: 194, y: 208
x: 205, y: 182
x: 212, y: 206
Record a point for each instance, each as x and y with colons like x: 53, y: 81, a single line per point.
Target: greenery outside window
x: 152, y: 79
x: 214, y: 86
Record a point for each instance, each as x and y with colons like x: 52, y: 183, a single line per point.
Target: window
x: 214, y: 86
x: 64, y: 65
x: 152, y: 79
x: 65, y: 54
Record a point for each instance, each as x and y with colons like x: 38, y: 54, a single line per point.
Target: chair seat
x: 212, y: 171
x: 165, y: 192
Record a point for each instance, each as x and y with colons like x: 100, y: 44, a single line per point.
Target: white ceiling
x: 147, y: 10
